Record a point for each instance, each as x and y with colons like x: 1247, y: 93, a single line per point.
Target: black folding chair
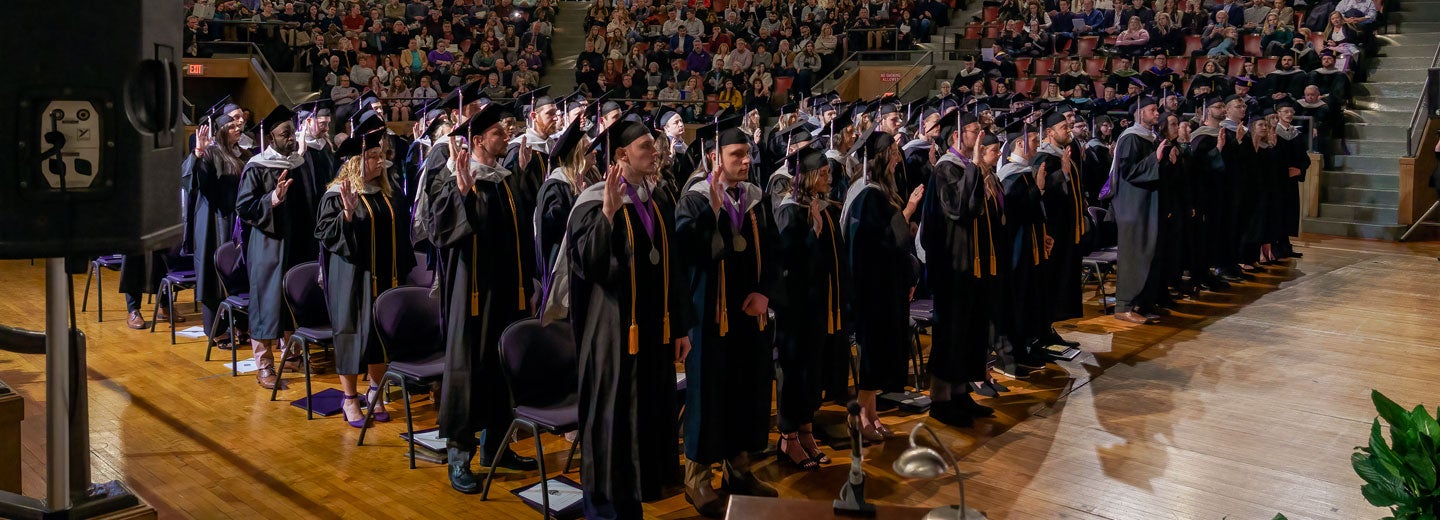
x: 175, y: 280
x: 97, y: 270
x: 407, y: 320
x: 305, y: 298
x: 230, y: 268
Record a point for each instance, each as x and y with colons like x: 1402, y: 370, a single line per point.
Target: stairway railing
x: 268, y: 73
x: 1423, y: 111
x: 833, y: 77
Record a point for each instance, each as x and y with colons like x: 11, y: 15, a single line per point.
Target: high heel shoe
x: 807, y: 442
x: 377, y: 401
x: 358, y: 423
x: 789, y: 444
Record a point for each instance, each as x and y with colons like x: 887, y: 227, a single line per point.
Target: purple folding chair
x: 420, y: 275
x: 175, y: 280
x: 305, y: 298
x: 541, y: 369
x: 97, y: 271
x: 230, y: 268
x: 407, y: 320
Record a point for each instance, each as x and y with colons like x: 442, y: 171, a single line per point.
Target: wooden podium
x: 755, y: 508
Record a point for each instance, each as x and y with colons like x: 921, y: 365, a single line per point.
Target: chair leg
x: 369, y: 414
x: 495, y: 461
x: 234, y: 345
x: 84, y: 302
x: 280, y: 373
x: 99, y: 294
x: 154, y: 314
x: 170, y: 306
x: 409, y: 422
x: 571, y: 456
x: 209, y: 334
x: 309, y: 405
x: 540, y: 459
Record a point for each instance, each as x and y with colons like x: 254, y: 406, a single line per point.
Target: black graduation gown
x: 486, y: 264
x: 1262, y: 179
x: 961, y: 269
x: 1333, y: 84
x: 1154, y: 78
x: 1321, y: 120
x: 1177, y: 227
x: 627, y: 401
x: 215, y: 220
x: 1096, y: 170
x: 1065, y: 222
x: 141, y: 272
x: 1068, y: 81
x: 1291, y: 83
x: 552, y: 211
x: 323, y: 163
x: 528, y: 179
x: 810, y: 323
x: 730, y: 365
x: 363, y: 258
x: 1218, y: 83
x: 1137, y: 218
x: 917, y: 170
x: 1025, y: 229
x: 277, y: 238
x: 879, y: 244
x: 1292, y: 155
x: 1212, y: 199
x: 1241, y: 165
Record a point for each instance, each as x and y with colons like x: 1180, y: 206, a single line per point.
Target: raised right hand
x: 1040, y: 175
x: 614, y: 191
x: 348, y: 200
x: 464, y: 179
x: 202, y: 139
x: 716, y: 191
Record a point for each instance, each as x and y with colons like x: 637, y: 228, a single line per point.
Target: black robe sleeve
x: 252, y: 203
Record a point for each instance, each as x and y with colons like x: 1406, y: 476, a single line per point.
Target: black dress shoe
x: 985, y: 390
x: 746, y: 484
x: 967, y: 405
x: 706, y: 501
x: 461, y: 479
x: 513, y: 462
x: 1056, y: 339
x: 996, y: 386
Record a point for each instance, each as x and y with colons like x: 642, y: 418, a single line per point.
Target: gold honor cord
x: 634, y: 344
x: 990, y: 238
x: 634, y: 292
x: 755, y: 233
x: 722, y: 315
x: 374, y: 255
x: 665, y: 268
x: 474, y: 276
x: 1079, y: 208
x: 832, y: 297
x: 515, y: 225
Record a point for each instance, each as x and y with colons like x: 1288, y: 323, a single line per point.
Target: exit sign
x: 194, y: 69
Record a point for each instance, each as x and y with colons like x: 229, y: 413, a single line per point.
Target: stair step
x: 1374, y: 131
x: 1361, y: 180
x: 1360, y: 213
x: 1378, y: 117
x: 1337, y: 227
x: 1366, y: 163
x: 1419, y: 26
x: 1407, y: 17
x: 1401, y: 62
x: 1385, y: 103
x: 1411, y: 37
x: 1408, y: 51
x: 1409, y: 89
x: 1377, y: 147
x: 1339, y: 195
x: 1383, y: 74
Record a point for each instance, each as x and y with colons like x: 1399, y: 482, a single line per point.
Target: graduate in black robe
x: 1285, y: 83
x: 728, y: 242
x: 630, y: 314
x: 276, y: 201
x: 315, y: 137
x: 1333, y: 83
x: 1239, y: 154
x: 1064, y: 201
x: 810, y: 322
x: 1135, y: 178
x: 1160, y: 77
x: 473, y: 209
x: 960, y: 213
x: 1291, y: 146
x: 1026, y: 318
x: 875, y: 220
x: 363, y: 225
x: 1212, y: 195
x: 1261, y: 181
x: 555, y: 199
x: 1177, y: 225
x: 527, y: 156
x: 213, y: 170
x: 140, y: 273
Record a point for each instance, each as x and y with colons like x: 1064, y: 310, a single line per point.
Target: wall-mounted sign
x: 194, y: 69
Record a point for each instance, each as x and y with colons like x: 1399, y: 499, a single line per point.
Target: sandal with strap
x: 807, y: 442
x: 788, y: 448
x: 358, y: 423
x: 376, y: 401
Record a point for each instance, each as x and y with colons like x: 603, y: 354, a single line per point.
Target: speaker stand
x: 68, y: 491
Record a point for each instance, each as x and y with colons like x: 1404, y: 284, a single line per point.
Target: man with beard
x: 1136, y: 178
x: 620, y: 241
x: 1064, y: 201
x: 317, y: 147
x: 277, y: 201
x: 1295, y: 158
x: 1334, y: 85
x: 473, y: 202
x: 1285, y: 83
x: 528, y: 155
x: 727, y: 240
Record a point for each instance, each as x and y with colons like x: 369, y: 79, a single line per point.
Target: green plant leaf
x: 1385, y: 456
x: 1427, y: 426
x: 1366, y: 468
x: 1422, y: 470
x: 1279, y: 516
x: 1393, y: 414
x: 1383, y: 486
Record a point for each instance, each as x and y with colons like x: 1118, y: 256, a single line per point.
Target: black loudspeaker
x: 90, y: 150
x: 1433, y: 79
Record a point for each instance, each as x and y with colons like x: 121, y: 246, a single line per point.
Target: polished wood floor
x: 1242, y: 405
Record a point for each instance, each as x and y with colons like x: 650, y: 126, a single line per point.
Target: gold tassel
x: 755, y: 234
x: 829, y: 306
x: 634, y: 339
x: 666, y: 339
x: 519, y: 268
x: 975, y: 242
x: 474, y: 284
x: 724, y: 314
x: 634, y: 326
x: 665, y: 268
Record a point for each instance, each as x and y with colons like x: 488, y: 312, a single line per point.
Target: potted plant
x: 1401, y: 475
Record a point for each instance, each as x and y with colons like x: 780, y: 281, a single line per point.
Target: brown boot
x: 266, y: 378
x: 700, y: 493
x: 135, y: 321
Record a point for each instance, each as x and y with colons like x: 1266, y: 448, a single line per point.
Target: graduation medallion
x: 654, y: 256
x: 739, y: 243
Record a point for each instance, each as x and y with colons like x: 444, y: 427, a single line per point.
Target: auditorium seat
x: 1044, y: 67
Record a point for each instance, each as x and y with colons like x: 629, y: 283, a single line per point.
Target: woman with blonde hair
x: 363, y: 228
x: 570, y: 176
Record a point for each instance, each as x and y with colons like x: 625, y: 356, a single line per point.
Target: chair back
x: 539, y: 362
x: 304, y: 296
x: 407, y: 320
x: 420, y: 275
x: 230, y: 267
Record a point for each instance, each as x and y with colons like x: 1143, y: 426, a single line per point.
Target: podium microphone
x: 852, y: 495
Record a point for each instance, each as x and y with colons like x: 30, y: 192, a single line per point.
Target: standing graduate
x: 962, y: 207
x: 1211, y: 197
x: 631, y: 318
x: 319, y: 150
x: 728, y: 243
x: 214, y: 169
x: 875, y: 221
x: 1262, y: 182
x: 1027, y: 319
x: 276, y: 200
x: 1135, y: 178
x: 363, y: 225
x: 527, y: 156
x: 1240, y: 160
x: 473, y: 203
x: 1178, y: 227
x: 810, y: 321
x: 570, y: 176
x: 1064, y: 202
x: 140, y: 273
x: 1295, y: 159
x: 781, y: 182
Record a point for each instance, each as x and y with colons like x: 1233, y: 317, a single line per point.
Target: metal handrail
x: 271, y: 76
x: 900, y: 94
x: 857, y: 56
x: 1417, y: 123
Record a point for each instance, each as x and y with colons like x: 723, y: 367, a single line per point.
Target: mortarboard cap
x: 489, y: 116
x: 360, y: 143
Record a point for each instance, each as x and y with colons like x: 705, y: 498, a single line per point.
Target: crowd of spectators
x: 752, y: 55
x: 403, y: 52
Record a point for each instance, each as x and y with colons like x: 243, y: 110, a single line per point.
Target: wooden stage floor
x: 1243, y: 405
